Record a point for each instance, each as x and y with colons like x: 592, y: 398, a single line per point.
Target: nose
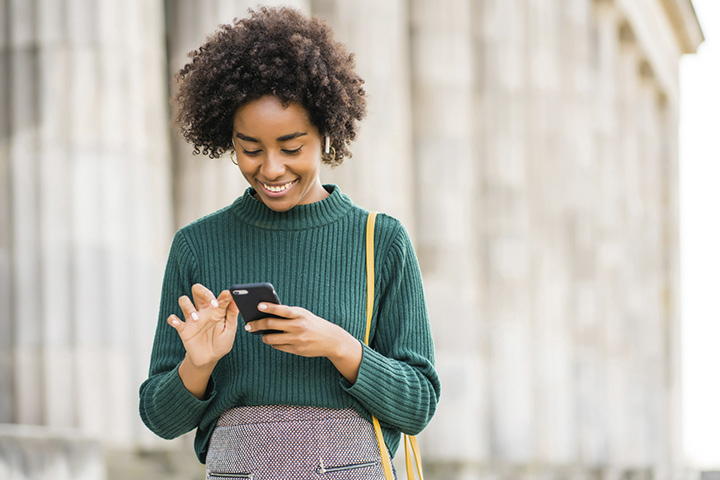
x: 272, y: 166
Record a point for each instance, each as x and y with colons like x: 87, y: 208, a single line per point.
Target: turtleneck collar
x: 327, y: 210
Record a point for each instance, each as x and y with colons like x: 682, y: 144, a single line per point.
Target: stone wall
x: 529, y: 146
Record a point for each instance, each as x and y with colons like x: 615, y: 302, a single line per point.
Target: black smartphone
x: 247, y: 296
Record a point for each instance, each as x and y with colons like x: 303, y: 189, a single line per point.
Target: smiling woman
x: 298, y: 399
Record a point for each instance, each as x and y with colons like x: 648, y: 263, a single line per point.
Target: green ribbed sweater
x: 314, y: 255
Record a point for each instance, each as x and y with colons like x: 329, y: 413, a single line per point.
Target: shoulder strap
x: 370, y: 266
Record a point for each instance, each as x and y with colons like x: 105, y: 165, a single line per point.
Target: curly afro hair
x: 274, y: 51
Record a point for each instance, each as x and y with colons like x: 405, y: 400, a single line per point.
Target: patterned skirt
x: 278, y: 442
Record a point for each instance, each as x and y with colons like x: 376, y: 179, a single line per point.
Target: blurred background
x: 556, y: 162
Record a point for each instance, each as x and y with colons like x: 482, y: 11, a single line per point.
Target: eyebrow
x: 284, y: 138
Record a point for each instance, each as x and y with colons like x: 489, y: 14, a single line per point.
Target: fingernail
x: 248, y: 327
x: 194, y: 315
x: 175, y: 322
x: 262, y: 306
x: 214, y: 303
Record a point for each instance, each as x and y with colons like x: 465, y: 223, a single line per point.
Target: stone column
x: 583, y: 376
x: 654, y: 352
x: 56, y: 103
x: 598, y: 440
x: 449, y: 207
x: 629, y: 443
x: 381, y: 173
x: 555, y: 121
x: 7, y: 323
x: 670, y: 282
x: 22, y: 164
x: 505, y: 143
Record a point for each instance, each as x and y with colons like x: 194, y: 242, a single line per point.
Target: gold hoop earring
x: 233, y: 156
x: 326, y: 156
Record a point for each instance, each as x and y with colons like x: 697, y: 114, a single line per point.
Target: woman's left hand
x: 304, y: 333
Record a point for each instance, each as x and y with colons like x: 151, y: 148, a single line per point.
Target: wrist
x: 347, y: 355
x: 202, y: 368
x: 194, y: 378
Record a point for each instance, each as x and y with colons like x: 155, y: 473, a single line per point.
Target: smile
x: 277, y: 188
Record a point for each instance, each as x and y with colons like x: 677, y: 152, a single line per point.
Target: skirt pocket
x: 344, y: 468
x: 229, y: 476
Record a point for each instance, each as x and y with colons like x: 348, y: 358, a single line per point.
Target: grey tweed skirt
x: 279, y: 442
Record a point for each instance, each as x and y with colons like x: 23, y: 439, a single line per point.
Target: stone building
x: 530, y: 147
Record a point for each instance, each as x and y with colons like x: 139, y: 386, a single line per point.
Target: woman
x: 281, y: 95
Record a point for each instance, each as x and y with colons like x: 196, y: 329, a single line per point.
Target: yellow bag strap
x: 416, y: 453
x: 370, y: 264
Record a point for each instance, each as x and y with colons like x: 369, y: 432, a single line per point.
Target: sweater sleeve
x: 397, y: 381
x: 166, y: 406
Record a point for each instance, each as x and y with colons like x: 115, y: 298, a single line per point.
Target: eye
x: 292, y: 152
x: 251, y: 153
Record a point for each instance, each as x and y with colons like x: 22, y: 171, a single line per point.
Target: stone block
x: 154, y: 464
x: 38, y: 453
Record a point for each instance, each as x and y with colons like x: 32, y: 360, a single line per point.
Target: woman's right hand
x: 208, y: 332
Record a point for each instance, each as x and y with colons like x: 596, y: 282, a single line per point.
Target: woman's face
x: 279, y: 153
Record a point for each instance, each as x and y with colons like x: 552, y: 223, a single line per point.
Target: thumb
x: 231, y: 310
x: 232, y: 314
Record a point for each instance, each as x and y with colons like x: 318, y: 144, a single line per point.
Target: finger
x: 287, y: 348
x: 276, y: 340
x: 203, y: 297
x: 284, y: 343
x: 176, y: 323
x: 267, y: 324
x: 279, y: 310
x: 277, y: 336
x: 188, y: 308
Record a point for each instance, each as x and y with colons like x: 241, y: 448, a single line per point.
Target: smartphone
x: 247, y: 296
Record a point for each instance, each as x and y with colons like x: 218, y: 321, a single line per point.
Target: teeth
x: 278, y: 188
